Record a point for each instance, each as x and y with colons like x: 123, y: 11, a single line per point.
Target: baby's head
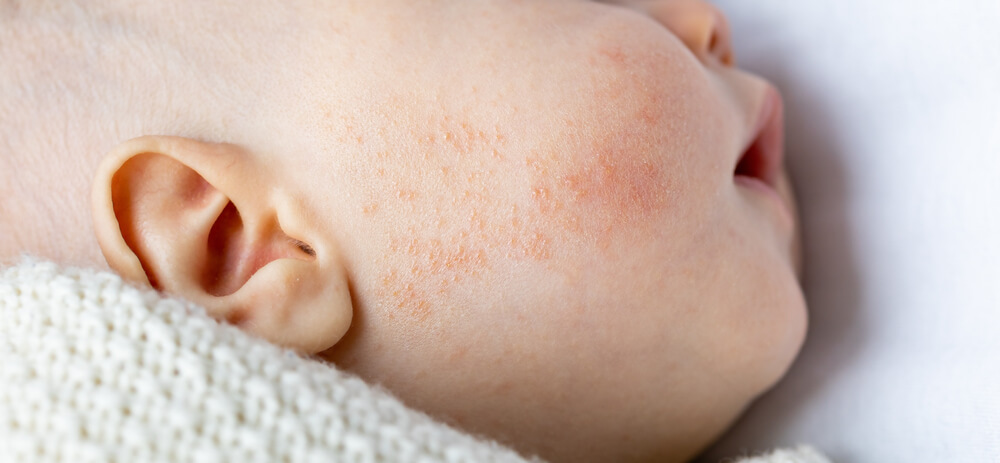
x: 562, y: 224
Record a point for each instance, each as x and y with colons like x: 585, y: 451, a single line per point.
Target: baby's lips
x: 763, y: 155
x: 760, y: 166
x: 772, y: 138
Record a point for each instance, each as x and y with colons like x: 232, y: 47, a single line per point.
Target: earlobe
x: 190, y: 219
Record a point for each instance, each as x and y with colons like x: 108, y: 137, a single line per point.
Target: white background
x: 893, y: 111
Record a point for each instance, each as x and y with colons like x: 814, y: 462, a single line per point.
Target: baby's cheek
x: 607, y: 191
x: 610, y: 168
x: 450, y: 211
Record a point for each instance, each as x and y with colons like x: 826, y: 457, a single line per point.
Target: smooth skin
x: 527, y: 218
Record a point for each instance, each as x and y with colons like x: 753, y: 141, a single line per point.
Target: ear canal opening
x: 305, y: 248
x: 306, y: 252
x: 232, y: 256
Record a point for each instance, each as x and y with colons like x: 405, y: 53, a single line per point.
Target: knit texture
x: 801, y: 454
x: 94, y: 370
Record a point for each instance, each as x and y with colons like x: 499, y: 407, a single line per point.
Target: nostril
x: 702, y: 28
x: 719, y: 45
x: 715, y: 46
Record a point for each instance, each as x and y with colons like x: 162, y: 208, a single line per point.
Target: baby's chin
x: 792, y: 336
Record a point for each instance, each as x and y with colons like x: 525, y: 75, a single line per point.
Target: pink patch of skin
x: 624, y: 192
x: 607, y: 194
x: 615, y: 186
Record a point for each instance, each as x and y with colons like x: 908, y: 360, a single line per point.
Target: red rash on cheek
x: 610, y: 192
x: 609, y: 178
x: 446, y: 218
x: 434, y: 261
x: 623, y: 189
x: 606, y: 174
x: 436, y: 265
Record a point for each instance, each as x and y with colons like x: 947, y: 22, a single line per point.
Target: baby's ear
x: 202, y: 221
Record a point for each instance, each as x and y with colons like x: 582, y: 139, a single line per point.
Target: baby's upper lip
x: 763, y: 152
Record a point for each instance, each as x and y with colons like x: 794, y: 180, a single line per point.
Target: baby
x: 561, y: 224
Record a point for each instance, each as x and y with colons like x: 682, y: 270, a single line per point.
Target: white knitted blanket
x: 94, y: 370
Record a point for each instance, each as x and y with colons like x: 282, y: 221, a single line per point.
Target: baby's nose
x: 701, y: 26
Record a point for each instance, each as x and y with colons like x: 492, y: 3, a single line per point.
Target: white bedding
x: 894, y: 143
x: 94, y: 370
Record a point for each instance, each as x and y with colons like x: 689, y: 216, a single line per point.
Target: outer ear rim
x: 112, y: 242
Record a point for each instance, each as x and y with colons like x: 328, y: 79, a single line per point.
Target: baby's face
x: 564, y: 223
